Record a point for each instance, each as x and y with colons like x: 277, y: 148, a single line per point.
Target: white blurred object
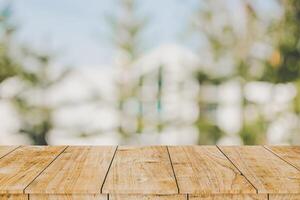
x: 230, y: 93
x: 87, y: 117
x: 284, y: 93
x: 281, y: 129
x: 145, y: 138
x: 63, y: 137
x: 179, y: 136
x: 10, y: 125
x: 259, y: 92
x: 261, y: 50
x: 177, y: 61
x: 14, y: 139
x: 230, y: 140
x: 9, y: 121
x: 229, y: 118
x: 83, y: 84
x: 11, y: 87
x: 267, y: 10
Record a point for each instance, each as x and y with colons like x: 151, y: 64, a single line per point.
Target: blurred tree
x: 35, y: 112
x: 127, y: 28
x: 17, y: 60
x: 8, y: 66
x: 227, y: 55
x: 284, y: 63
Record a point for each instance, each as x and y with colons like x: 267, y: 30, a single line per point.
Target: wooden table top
x: 150, y: 172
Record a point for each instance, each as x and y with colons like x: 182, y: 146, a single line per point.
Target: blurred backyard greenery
x: 240, y: 85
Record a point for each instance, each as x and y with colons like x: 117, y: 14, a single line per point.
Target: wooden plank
x: 68, y: 197
x: 13, y: 197
x: 267, y: 172
x: 23, y: 165
x: 205, y: 170
x: 284, y: 197
x: 78, y: 170
x: 147, y: 197
x: 290, y: 154
x: 4, y: 150
x: 230, y: 197
x: 141, y: 170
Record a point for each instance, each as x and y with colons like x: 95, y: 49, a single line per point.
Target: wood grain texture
x: 141, y: 170
x: 205, y: 170
x: 23, y: 165
x: 78, y: 170
x: 229, y: 197
x: 290, y: 154
x: 4, y: 150
x: 147, y: 197
x: 68, y: 197
x: 13, y: 197
x: 284, y: 197
x: 267, y: 172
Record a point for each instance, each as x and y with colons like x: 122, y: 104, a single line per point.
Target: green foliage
x: 205, y: 78
x: 8, y: 66
x: 36, y: 118
x: 210, y: 133
x: 223, y: 40
x: 254, y: 133
x: 126, y: 34
x: 284, y: 65
x: 127, y: 28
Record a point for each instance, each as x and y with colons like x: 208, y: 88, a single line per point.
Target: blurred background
x: 150, y: 72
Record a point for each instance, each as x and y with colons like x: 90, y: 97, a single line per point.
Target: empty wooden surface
x: 284, y: 197
x: 78, y: 170
x: 13, y: 196
x: 149, y: 173
x: 205, y: 170
x: 19, y: 168
x: 141, y: 170
x: 290, y: 154
x: 68, y: 197
x: 229, y: 197
x: 147, y: 197
x: 267, y: 172
x: 4, y: 150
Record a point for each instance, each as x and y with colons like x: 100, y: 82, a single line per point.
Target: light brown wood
x: 147, y: 197
x: 68, y: 197
x: 149, y: 173
x: 290, y: 154
x: 23, y: 165
x: 229, y: 197
x: 4, y: 150
x: 284, y: 197
x: 205, y: 170
x: 267, y: 172
x: 13, y: 197
x: 141, y: 170
x: 78, y: 170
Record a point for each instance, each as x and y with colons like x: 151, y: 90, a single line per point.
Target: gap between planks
x: 45, y: 169
x: 173, y: 169
x: 110, y: 164
x: 187, y: 196
x: 147, y: 197
x: 237, y: 168
x: 10, y: 151
x: 277, y: 155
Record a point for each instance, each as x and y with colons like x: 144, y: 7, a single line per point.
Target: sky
x: 76, y: 33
